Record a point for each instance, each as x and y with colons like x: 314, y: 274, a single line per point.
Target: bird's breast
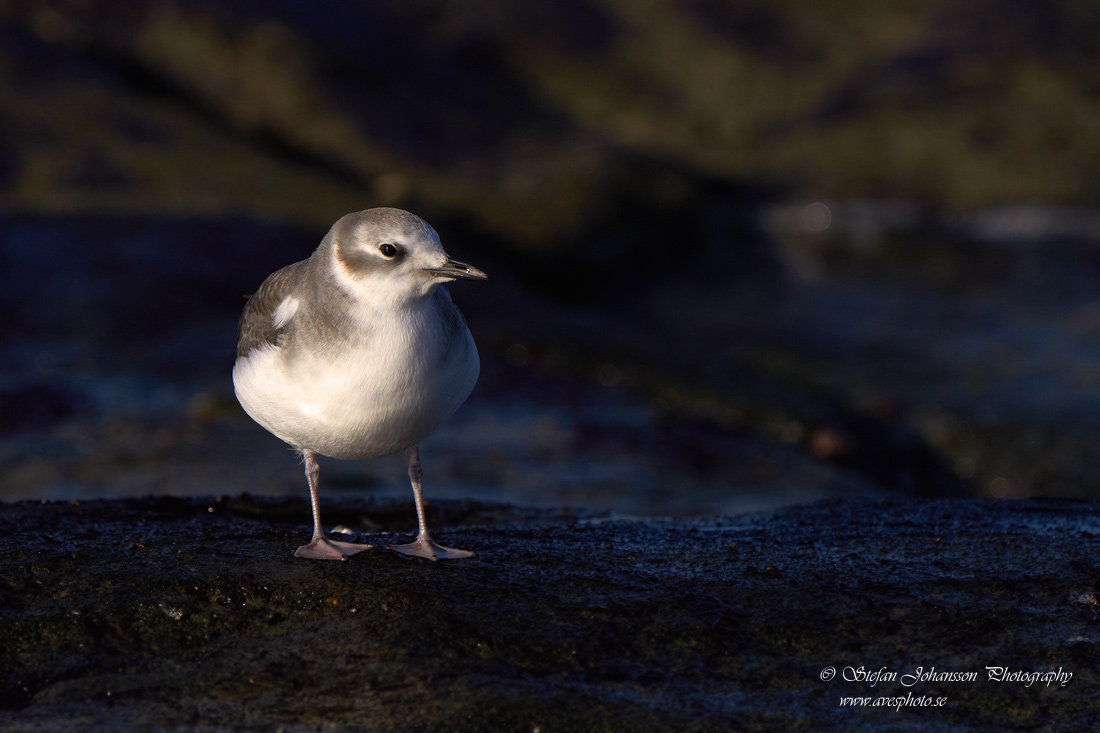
x: 367, y: 397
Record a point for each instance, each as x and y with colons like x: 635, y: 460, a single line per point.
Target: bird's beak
x: 455, y: 270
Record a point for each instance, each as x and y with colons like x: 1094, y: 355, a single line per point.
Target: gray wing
x: 256, y: 326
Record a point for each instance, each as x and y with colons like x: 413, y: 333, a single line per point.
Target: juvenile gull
x: 357, y: 353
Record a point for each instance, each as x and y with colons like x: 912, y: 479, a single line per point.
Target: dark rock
x: 168, y: 612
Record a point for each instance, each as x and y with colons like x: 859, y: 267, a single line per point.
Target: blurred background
x: 741, y: 254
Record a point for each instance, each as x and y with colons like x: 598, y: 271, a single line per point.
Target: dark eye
x: 388, y: 250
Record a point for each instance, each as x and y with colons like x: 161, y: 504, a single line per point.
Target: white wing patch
x: 285, y: 311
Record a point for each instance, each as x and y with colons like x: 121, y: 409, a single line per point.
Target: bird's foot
x: 322, y: 548
x: 424, y: 546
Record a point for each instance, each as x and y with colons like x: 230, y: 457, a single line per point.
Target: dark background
x: 740, y: 254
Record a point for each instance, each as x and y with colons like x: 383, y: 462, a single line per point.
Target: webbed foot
x: 424, y: 546
x: 322, y: 548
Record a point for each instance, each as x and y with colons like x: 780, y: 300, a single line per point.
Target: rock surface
x: 126, y: 614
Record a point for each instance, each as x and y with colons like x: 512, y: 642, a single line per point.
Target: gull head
x: 389, y: 256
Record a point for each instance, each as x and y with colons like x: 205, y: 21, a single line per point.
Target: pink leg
x: 321, y: 547
x: 424, y: 546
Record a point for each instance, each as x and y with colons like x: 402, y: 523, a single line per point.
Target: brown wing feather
x: 256, y: 327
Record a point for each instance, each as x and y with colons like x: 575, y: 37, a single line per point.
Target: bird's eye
x: 388, y: 250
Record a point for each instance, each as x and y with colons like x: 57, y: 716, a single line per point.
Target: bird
x: 358, y: 352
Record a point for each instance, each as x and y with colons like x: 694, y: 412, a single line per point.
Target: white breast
x: 366, y: 400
